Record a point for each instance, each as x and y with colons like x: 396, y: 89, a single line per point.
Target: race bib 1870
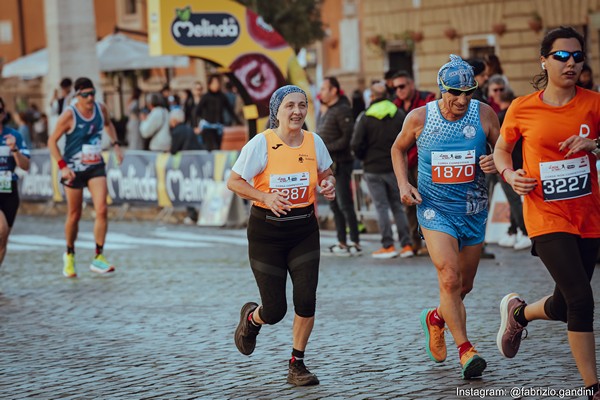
x: 294, y: 187
x: 451, y: 167
x: 566, y: 179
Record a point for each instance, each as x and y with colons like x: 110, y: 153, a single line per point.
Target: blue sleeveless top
x: 7, y: 158
x: 83, y: 144
x: 450, y: 179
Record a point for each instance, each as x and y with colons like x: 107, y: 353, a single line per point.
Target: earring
x: 543, y: 65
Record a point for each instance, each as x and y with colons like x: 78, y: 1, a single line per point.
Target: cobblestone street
x: 162, y: 326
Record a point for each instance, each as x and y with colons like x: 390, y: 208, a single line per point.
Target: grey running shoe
x: 246, y: 332
x: 299, y: 375
x: 510, y: 332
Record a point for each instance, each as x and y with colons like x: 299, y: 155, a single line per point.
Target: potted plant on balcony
x: 450, y: 33
x: 535, y: 22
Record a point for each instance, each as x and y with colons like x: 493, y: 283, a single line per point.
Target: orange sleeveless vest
x: 292, y: 171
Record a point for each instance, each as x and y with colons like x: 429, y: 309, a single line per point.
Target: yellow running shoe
x: 472, y: 364
x: 101, y: 265
x: 435, y: 343
x: 69, y: 265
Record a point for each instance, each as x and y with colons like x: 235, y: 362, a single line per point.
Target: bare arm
x: 64, y: 124
x: 21, y: 161
x: 517, y: 179
x: 411, y: 129
x: 327, y: 184
x: 112, y: 134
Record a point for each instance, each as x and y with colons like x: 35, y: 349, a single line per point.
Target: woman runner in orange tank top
x: 279, y: 170
x: 559, y: 126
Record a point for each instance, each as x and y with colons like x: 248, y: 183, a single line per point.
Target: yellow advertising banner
x: 232, y: 36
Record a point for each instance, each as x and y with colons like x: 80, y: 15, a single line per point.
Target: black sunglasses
x: 563, y: 55
x: 85, y: 95
x: 399, y: 87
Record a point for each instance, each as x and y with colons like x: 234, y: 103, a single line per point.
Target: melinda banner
x: 232, y: 36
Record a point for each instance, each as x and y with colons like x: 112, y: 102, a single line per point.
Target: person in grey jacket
x: 335, y: 127
x: 155, y: 126
x: 374, y: 134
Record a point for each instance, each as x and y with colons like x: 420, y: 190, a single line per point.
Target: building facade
x: 418, y: 35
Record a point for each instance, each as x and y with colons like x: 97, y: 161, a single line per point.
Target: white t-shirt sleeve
x: 324, y: 160
x: 253, y: 158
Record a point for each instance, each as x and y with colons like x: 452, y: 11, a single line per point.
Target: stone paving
x: 162, y: 326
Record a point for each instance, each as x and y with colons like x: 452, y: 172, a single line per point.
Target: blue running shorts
x: 469, y: 230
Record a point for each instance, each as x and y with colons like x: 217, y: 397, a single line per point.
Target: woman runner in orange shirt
x: 559, y: 125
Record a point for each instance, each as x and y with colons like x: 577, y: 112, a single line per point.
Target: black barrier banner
x: 36, y: 185
x: 188, y: 174
x: 145, y: 177
x: 134, y: 181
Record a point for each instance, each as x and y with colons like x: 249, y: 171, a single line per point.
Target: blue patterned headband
x: 277, y: 99
x: 457, y: 73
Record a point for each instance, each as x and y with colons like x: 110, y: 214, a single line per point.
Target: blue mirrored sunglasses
x: 563, y: 55
x: 85, y: 95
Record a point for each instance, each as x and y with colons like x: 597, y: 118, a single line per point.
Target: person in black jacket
x: 183, y: 138
x: 212, y: 105
x: 335, y: 127
x: 374, y: 134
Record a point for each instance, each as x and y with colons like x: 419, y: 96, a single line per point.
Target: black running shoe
x: 245, y: 334
x: 299, y: 375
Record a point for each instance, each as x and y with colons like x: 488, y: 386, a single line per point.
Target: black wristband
x: 115, y: 143
x: 14, y: 150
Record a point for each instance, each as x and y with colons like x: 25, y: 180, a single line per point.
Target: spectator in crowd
x: 408, y: 97
x: 481, y: 77
x: 187, y: 103
x: 165, y: 92
x: 24, y: 127
x: 516, y: 236
x: 374, y: 134
x: 494, y: 67
x: 40, y: 132
x: 61, y: 99
x: 586, y: 79
x: 212, y: 107
x: 134, y: 138
x: 183, y: 138
x: 235, y: 102
x: 358, y: 104
x: 335, y: 127
x: 389, y: 78
x: 197, y: 92
x: 155, y: 125
x: 495, y: 87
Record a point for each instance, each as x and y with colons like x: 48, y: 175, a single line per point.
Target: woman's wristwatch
x: 596, y: 151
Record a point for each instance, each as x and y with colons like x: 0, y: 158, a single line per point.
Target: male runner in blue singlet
x: 451, y: 199
x: 82, y: 165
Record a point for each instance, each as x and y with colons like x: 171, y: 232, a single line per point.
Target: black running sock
x: 99, y: 249
x: 70, y: 250
x: 595, y: 388
x: 520, y: 315
x: 297, y: 355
